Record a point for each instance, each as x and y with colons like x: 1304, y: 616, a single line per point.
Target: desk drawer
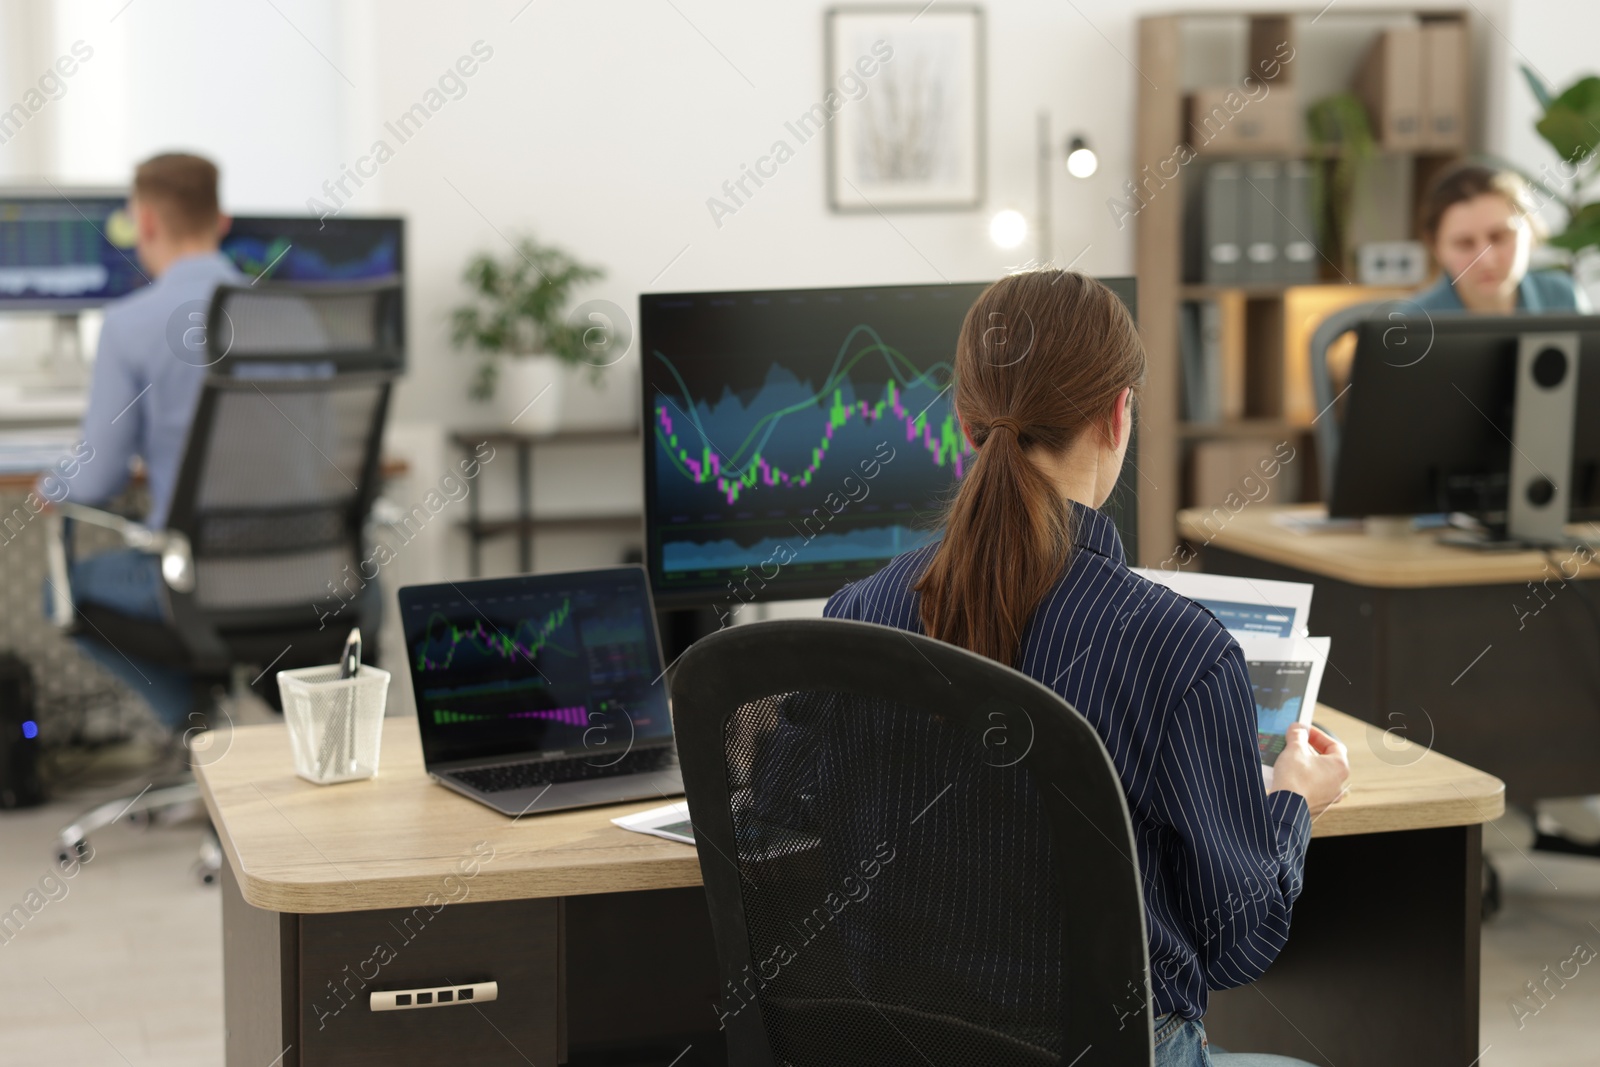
x: 343, y: 958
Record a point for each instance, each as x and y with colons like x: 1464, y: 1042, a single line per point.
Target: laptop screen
x: 535, y: 664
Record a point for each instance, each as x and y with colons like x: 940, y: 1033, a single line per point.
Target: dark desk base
x: 612, y: 978
x: 1471, y: 671
x: 1381, y: 967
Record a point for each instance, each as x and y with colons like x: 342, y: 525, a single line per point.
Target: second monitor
x: 796, y: 440
x: 1467, y: 413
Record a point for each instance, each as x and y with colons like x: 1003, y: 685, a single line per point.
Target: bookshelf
x: 1264, y: 327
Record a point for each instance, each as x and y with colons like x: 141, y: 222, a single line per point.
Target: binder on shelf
x: 1224, y: 121
x: 1221, y: 255
x: 1297, y: 233
x: 1227, y: 325
x: 1444, y: 85
x: 1211, y: 357
x: 1261, y: 222
x: 1220, y: 468
x: 1389, y: 83
x: 1191, y: 359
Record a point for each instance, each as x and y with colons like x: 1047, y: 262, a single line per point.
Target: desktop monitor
x: 300, y: 249
x: 66, y: 251
x: 798, y: 439
x: 1428, y: 426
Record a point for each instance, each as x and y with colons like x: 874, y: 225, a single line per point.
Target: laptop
x: 542, y: 692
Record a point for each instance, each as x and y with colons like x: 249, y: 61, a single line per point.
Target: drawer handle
x: 435, y: 996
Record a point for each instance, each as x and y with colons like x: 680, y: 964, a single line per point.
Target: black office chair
x: 266, y: 537
x: 1329, y: 330
x: 911, y: 854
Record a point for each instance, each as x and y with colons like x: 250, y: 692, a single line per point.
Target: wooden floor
x: 126, y: 967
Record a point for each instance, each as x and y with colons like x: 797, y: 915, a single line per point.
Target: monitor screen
x: 66, y: 252
x: 317, y: 250
x: 562, y: 663
x: 797, y: 440
x: 70, y: 252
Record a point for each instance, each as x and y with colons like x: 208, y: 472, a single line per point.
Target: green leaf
x: 1572, y: 121
x: 1541, y: 91
x: 1582, y: 231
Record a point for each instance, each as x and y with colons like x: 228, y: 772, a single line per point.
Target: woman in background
x: 1480, y: 224
x: 1030, y: 573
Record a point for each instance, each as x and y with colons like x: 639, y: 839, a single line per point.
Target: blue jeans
x: 1182, y: 1043
x: 129, y: 582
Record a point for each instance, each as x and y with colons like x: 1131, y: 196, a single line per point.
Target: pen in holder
x: 335, y: 723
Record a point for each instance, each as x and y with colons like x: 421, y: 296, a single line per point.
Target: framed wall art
x: 905, y: 93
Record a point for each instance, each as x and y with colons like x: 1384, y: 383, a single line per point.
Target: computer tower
x: 19, y: 736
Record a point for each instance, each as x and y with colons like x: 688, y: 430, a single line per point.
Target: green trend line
x: 490, y: 639
x: 899, y: 367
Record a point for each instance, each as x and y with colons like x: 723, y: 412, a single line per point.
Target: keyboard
x: 507, y: 776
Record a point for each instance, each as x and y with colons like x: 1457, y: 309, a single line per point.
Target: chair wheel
x: 1492, y: 899
x: 66, y: 857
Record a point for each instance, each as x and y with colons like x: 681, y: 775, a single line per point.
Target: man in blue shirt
x: 148, y: 371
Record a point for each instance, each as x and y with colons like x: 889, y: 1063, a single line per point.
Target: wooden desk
x: 598, y: 937
x: 576, y: 917
x: 1491, y: 655
x: 1381, y: 966
x: 23, y: 481
x: 1414, y: 561
x: 389, y: 841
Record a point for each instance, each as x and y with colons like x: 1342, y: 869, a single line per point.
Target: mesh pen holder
x: 335, y: 723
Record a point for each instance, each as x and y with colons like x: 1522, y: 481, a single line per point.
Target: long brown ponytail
x: 1041, y: 359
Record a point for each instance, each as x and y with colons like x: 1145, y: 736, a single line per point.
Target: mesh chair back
x: 282, y: 461
x: 911, y: 853
x: 357, y: 326
x: 1336, y: 325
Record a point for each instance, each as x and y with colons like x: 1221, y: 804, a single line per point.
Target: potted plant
x: 1568, y: 125
x: 514, y: 322
x: 1343, y: 146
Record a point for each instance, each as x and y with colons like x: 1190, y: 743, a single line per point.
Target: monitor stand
x: 65, y: 355
x: 1537, y: 504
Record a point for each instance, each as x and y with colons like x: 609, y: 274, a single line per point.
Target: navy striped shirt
x: 1168, y: 690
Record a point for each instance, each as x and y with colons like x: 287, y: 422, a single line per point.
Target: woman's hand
x: 1314, y: 765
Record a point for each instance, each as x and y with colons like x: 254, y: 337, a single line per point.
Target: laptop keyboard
x: 508, y: 776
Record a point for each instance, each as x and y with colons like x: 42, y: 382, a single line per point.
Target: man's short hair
x: 182, y: 189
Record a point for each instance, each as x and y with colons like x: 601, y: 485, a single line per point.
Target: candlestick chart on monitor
x: 555, y: 667
x: 796, y: 440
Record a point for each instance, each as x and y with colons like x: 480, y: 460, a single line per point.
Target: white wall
x: 241, y: 83
x: 604, y: 127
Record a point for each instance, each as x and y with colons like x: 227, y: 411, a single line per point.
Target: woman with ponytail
x: 1030, y: 573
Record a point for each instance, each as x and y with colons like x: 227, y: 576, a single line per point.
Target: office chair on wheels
x: 1330, y: 329
x: 264, y: 545
x: 910, y: 853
